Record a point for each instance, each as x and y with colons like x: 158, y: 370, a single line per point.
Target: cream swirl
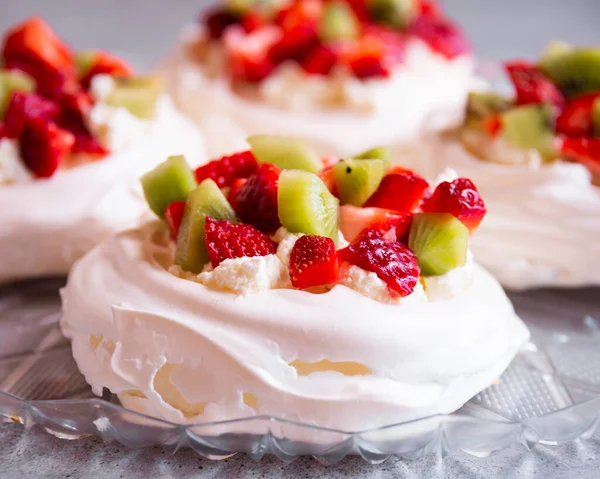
x: 178, y: 350
x: 48, y: 224
x: 542, y: 219
x: 427, y: 91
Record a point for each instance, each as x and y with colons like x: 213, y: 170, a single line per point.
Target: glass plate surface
x: 550, y: 394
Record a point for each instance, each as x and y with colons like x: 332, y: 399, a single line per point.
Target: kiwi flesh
x: 575, y: 72
x: 10, y: 82
x: 138, y: 94
x: 338, y: 23
x: 357, y: 180
x: 287, y: 153
x: 397, y: 14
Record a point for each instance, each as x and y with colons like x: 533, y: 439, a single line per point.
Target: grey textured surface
x: 144, y: 30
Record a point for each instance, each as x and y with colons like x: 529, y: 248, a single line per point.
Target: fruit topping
x: 482, y: 105
x: 226, y: 240
x: 227, y: 169
x: 43, y: 146
x: 234, y: 190
x: 338, y: 23
x: 313, y: 262
x: 442, y: 35
x: 460, y: 198
x: 377, y: 250
x: 354, y: 220
x: 440, y: 242
x: 306, y: 205
x: 320, y: 61
x: 578, y: 117
x: 90, y: 63
x: 172, y: 180
x: 137, y: 94
x: 24, y: 107
x: 531, y: 127
x: 379, y: 153
x: 401, y: 191
x: 12, y: 81
x: 33, y: 43
x: 584, y: 150
x: 217, y: 23
x: 596, y: 116
x: 398, y: 14
x: 285, y: 152
x: 368, y: 58
x: 248, y: 53
x: 173, y: 217
x: 357, y: 180
x: 206, y: 200
x: 257, y: 200
x: 532, y: 86
x: 574, y: 72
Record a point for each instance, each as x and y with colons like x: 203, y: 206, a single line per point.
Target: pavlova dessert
x: 76, y: 130
x: 535, y: 157
x: 340, y: 293
x: 344, y: 74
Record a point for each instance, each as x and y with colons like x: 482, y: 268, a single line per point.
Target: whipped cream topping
x: 181, y: 351
x: 49, y: 223
x: 426, y: 91
x: 542, y: 218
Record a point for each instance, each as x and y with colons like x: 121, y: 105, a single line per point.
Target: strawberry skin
x: 313, y: 262
x: 173, y: 217
x: 531, y: 85
x: 107, y: 64
x: 354, y: 220
x: 576, y: 118
x: 234, y: 191
x: 225, y: 240
x: 442, y: 35
x: 43, y: 146
x: 24, y: 107
x: 460, y: 198
x: 377, y: 251
x: 226, y: 169
x: 257, y: 199
x: 584, y: 150
x: 400, y: 191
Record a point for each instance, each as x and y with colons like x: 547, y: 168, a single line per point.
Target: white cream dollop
x: 184, y: 352
x: 541, y: 222
x: 12, y: 169
x: 426, y: 92
x: 47, y: 224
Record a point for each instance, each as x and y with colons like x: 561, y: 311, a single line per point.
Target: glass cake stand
x: 550, y: 394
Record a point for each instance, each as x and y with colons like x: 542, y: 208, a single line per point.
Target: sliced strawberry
x: 531, y: 85
x: 442, y: 35
x: 43, y: 146
x: 72, y: 119
x: 430, y: 8
x: 234, y: 191
x: 107, y: 64
x: 377, y: 251
x: 492, y: 125
x: 173, y: 217
x: 2, y: 131
x: 401, y: 191
x: 360, y: 9
x: 224, y: 170
x: 313, y: 262
x: 24, y: 107
x: 576, y: 118
x: 354, y: 220
x: 328, y: 176
x: 299, y: 23
x: 393, y: 42
x: 225, y: 240
x: 320, y: 61
x: 584, y: 150
x: 34, y: 42
x: 257, y: 199
x: 248, y: 54
x: 459, y: 198
x: 367, y: 58
x: 253, y: 21
x: 218, y: 21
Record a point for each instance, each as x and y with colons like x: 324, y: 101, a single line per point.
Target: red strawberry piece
x: 354, y: 220
x: 24, y: 107
x: 459, y: 198
x: 248, y: 54
x: 253, y: 21
x: 43, y: 146
x: 400, y: 191
x: 107, y: 64
x: 299, y: 22
x: 257, y: 199
x: 225, y: 240
x: 531, y: 85
x: 584, y: 150
x: 442, y: 35
x: 360, y: 9
x: 430, y: 8
x: 320, y: 61
x: 234, y: 190
x: 2, y: 131
x: 34, y: 42
x: 374, y: 250
x: 313, y: 262
x: 224, y: 170
x: 492, y: 125
x: 367, y: 58
x: 173, y: 217
x: 218, y: 21
x: 72, y: 119
x: 576, y: 118
x: 393, y: 42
